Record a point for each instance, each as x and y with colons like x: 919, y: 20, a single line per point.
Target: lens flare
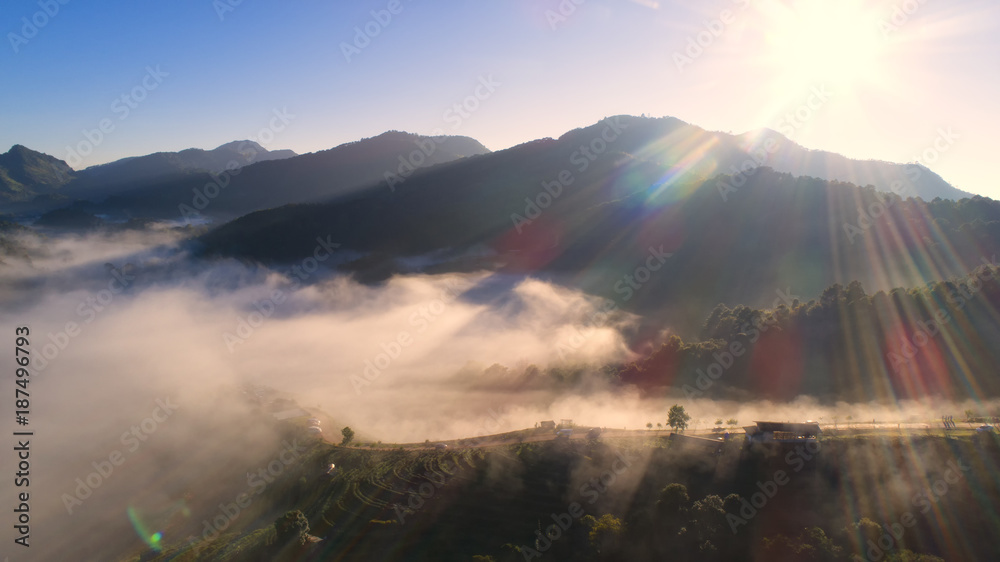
x: 150, y: 524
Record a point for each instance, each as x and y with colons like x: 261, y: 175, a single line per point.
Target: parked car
x: 440, y: 446
x: 985, y: 429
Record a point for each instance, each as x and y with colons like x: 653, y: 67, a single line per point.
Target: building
x: 702, y: 445
x: 290, y: 414
x: 781, y: 432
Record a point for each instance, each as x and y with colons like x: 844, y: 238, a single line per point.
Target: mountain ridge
x: 25, y: 173
x: 547, y: 208
x: 682, y: 150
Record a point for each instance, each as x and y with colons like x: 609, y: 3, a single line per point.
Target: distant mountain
x: 164, y: 184
x: 108, y: 178
x: 917, y: 180
x: 591, y: 207
x: 32, y: 181
x: 26, y: 174
x: 72, y: 217
x: 306, y: 178
x: 692, y: 150
x: 12, y: 247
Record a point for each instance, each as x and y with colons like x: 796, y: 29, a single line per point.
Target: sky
x: 901, y: 81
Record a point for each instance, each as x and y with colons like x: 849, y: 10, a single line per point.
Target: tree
x: 732, y: 422
x: 718, y: 424
x: 810, y: 544
x: 708, y: 523
x: 605, y: 534
x: 670, y: 515
x: 649, y: 425
x: 673, y: 498
x: 659, y: 425
x: 348, y: 434
x: 677, y: 418
x: 292, y: 525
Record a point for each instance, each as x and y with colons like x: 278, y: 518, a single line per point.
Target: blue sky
x: 896, y: 84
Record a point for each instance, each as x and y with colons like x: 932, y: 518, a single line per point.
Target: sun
x: 833, y: 42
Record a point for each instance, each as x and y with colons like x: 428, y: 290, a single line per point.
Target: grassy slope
x: 485, y: 500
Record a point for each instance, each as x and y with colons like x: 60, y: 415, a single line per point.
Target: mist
x: 122, y: 325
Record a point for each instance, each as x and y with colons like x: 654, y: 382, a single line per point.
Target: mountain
x: 309, y: 177
x: 238, y: 177
x: 918, y: 180
x: 32, y: 181
x: 621, y: 496
x: 590, y: 214
x: 693, y: 150
x: 12, y: 247
x: 680, y: 152
x: 108, y: 178
x: 25, y: 174
x: 163, y: 184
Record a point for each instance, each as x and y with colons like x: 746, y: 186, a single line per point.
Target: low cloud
x: 417, y: 357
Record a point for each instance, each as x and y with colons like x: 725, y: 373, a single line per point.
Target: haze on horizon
x: 897, y: 73
x: 462, y: 375
x: 399, y: 314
